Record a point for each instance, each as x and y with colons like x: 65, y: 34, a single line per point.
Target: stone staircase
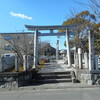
x: 55, y: 77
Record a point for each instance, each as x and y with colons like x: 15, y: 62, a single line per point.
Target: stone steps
x: 54, y: 77
x: 55, y: 73
x: 53, y: 80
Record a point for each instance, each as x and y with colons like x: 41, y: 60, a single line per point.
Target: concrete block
x: 86, y: 60
x: 24, y: 62
x: 90, y: 82
x: 96, y: 63
x: 16, y: 63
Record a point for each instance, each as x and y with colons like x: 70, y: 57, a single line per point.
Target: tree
x: 94, y: 5
x: 46, y: 49
x: 22, y: 44
x: 96, y: 28
x: 84, y: 20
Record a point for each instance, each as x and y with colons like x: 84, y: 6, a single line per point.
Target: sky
x: 14, y: 14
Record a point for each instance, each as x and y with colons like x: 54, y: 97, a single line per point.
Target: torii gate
x: 67, y: 33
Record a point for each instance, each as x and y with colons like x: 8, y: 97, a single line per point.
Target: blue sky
x: 14, y: 14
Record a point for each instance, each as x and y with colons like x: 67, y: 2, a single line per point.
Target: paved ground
x: 54, y: 66
x: 52, y: 94
x: 59, y: 86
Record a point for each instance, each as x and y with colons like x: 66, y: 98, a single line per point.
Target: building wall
x: 19, y: 40
x: 3, y: 44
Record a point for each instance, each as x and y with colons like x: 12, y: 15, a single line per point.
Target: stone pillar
x: 68, y: 48
x: 57, y: 50
x: 96, y: 63
x: 86, y: 61
x: 51, y: 31
x: 29, y: 62
x: 35, y: 48
x: 24, y: 62
x: 16, y: 63
x: 76, y: 60
x: 2, y: 63
x: 91, y: 49
x: 80, y: 58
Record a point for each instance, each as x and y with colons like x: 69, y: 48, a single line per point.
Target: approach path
x: 55, y: 66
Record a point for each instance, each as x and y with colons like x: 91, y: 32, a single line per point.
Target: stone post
x: 76, y: 60
x: 86, y: 61
x: 29, y: 62
x: 35, y: 48
x: 2, y: 63
x: 57, y: 50
x: 80, y: 58
x: 96, y: 63
x: 51, y: 31
x: 68, y: 48
x: 91, y: 49
x: 16, y: 63
x: 24, y: 62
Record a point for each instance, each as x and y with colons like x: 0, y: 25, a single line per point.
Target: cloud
x: 20, y: 15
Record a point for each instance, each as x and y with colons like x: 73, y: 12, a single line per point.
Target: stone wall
x: 16, y: 79
x: 86, y: 77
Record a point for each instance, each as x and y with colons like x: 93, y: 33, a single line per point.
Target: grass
x: 41, y: 65
x: 20, y: 69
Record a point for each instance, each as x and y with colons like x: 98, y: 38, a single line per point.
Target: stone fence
x: 17, y: 79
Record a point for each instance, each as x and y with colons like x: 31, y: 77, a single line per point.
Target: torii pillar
x: 35, y: 48
x: 68, y: 48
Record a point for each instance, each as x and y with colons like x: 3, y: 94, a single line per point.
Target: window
x: 7, y: 47
x: 7, y: 37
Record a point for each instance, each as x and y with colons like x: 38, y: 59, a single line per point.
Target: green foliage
x: 83, y: 20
